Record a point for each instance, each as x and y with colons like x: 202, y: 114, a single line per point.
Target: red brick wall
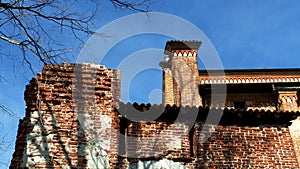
x: 67, y: 107
x: 246, y: 147
x: 233, y: 143
x: 157, y: 140
x: 53, y: 134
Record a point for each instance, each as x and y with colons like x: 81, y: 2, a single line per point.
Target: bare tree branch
x: 35, y: 31
x: 32, y: 26
x: 7, y: 111
x: 5, y: 146
x: 140, y: 6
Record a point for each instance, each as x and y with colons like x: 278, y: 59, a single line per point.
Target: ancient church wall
x: 72, y: 121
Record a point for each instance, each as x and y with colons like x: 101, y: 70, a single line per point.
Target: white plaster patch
x: 105, y: 121
x: 36, y: 129
x: 97, y: 145
x: 295, y: 127
x: 96, y: 156
x: 36, y: 147
x: 175, y: 143
x: 105, y: 125
x: 35, y: 115
x: 161, y: 164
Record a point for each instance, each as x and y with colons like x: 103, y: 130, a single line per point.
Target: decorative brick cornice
x: 186, y: 53
x: 287, y: 101
x: 245, y: 79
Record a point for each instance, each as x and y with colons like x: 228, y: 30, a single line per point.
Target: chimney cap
x: 182, y: 45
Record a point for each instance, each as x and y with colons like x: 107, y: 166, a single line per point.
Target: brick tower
x: 180, y: 72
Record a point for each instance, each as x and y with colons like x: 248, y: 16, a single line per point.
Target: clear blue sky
x: 246, y: 34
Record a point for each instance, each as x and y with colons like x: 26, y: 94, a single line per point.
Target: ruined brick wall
x: 72, y: 121
x: 68, y: 119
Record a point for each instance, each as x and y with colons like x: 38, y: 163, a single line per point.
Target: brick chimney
x: 180, y: 72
